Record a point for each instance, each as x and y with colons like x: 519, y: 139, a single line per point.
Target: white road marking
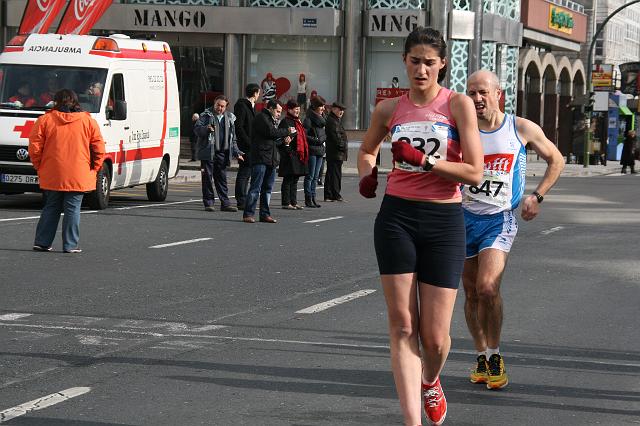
x: 324, y: 220
x: 179, y: 243
x: 13, y: 317
x: 13, y: 219
x: 106, y: 330
x: 143, y: 206
x: 40, y: 403
x: 333, y: 302
x: 300, y: 342
x: 551, y: 230
x: 99, y: 340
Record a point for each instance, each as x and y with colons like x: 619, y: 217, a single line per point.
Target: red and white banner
x: 38, y: 15
x: 81, y: 15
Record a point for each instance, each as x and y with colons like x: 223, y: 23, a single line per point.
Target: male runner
x: 490, y: 222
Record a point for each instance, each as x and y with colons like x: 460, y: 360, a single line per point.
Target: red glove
x: 369, y: 184
x: 403, y: 152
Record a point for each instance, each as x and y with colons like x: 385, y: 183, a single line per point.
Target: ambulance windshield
x: 32, y: 87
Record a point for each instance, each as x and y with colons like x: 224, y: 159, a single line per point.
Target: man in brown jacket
x: 67, y: 150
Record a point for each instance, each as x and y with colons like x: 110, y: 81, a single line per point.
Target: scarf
x: 302, y: 147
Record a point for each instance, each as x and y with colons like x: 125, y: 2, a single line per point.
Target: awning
x: 625, y: 111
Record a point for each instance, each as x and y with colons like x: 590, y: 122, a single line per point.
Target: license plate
x: 25, y: 179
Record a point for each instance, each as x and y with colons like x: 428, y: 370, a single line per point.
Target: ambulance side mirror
x: 119, y: 111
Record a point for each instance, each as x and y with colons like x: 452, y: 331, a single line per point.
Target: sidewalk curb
x: 190, y: 170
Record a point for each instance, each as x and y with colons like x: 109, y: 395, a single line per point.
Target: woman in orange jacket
x: 67, y: 150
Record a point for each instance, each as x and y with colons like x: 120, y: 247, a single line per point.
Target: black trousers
x: 333, y: 180
x: 215, y: 173
x: 290, y: 190
x: 242, y: 182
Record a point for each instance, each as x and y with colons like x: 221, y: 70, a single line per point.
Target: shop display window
x: 277, y: 62
x: 386, y: 75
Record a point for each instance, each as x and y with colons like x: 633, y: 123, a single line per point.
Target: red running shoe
x: 435, y: 404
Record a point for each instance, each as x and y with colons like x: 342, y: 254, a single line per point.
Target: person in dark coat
x: 316, y: 137
x: 337, y: 152
x: 265, y: 139
x: 216, y: 143
x: 293, y: 157
x: 628, y: 148
x: 245, y: 112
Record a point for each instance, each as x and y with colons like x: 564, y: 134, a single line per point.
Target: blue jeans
x: 311, y: 180
x: 262, y: 179
x: 55, y: 202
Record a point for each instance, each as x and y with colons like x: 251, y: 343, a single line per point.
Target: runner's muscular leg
x: 400, y: 292
x: 469, y: 277
x: 491, y: 264
x: 436, y: 309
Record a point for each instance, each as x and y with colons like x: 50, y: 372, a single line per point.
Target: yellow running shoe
x: 497, y: 373
x: 480, y: 374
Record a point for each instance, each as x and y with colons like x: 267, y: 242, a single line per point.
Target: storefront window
x: 386, y: 75
x: 284, y: 58
x: 200, y: 72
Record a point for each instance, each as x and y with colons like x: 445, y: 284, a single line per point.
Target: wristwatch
x: 538, y: 196
x: 428, y: 165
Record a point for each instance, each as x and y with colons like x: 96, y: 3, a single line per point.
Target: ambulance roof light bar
x: 105, y: 43
x: 18, y: 40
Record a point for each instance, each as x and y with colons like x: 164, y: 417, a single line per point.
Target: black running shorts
x: 416, y: 236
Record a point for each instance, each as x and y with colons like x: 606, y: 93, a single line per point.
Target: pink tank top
x: 431, y: 129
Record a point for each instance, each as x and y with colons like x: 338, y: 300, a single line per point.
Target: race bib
x: 426, y: 136
x: 495, y: 188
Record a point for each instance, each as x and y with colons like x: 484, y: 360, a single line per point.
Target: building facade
x: 346, y: 49
x: 551, y: 77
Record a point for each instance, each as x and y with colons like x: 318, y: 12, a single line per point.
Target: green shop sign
x: 560, y: 20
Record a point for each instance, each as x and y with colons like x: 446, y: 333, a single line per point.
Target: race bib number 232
x: 425, y: 136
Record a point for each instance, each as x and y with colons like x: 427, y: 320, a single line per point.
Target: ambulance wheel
x: 99, y: 199
x: 157, y: 190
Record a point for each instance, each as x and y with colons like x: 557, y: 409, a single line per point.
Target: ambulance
x: 129, y: 86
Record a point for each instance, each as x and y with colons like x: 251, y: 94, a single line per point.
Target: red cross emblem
x: 121, y: 158
x: 25, y: 130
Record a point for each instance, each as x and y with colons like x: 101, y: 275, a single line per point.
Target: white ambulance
x: 129, y: 86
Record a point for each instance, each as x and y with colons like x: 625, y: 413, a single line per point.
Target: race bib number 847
x: 426, y: 136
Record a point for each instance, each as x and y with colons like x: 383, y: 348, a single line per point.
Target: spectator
x: 293, y: 157
x: 337, y: 152
x: 216, y: 135
x: 314, y: 124
x: 23, y: 95
x: 245, y: 111
x: 67, y: 150
x: 193, y: 139
x: 628, y: 148
x: 265, y: 139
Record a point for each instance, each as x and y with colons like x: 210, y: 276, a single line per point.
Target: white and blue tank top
x: 505, y: 165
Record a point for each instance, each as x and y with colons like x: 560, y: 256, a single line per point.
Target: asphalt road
x: 222, y: 329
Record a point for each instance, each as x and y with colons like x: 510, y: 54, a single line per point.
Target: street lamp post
x: 588, y: 109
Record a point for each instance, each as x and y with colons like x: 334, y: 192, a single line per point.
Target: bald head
x: 486, y: 76
x: 483, y: 87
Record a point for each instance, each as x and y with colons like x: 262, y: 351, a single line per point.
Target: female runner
x: 419, y: 232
